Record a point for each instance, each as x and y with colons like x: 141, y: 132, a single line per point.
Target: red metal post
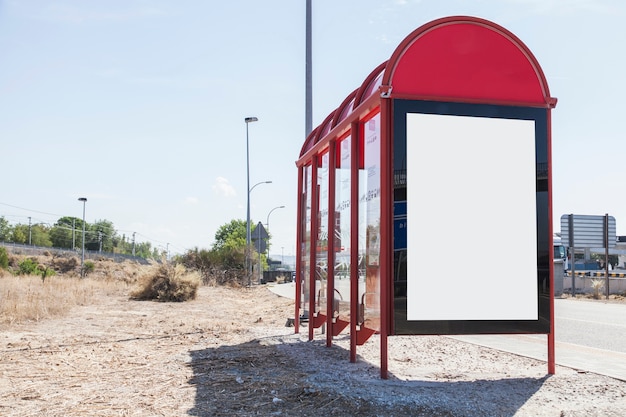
x: 386, y: 230
x: 354, y: 236
x: 299, y: 234
x: 551, y: 341
x: 313, y: 238
x: 330, y: 263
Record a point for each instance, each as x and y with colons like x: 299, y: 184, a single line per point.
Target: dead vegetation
x: 35, y: 297
x: 167, y: 282
x: 28, y: 298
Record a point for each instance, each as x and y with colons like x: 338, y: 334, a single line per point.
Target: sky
x: 139, y: 105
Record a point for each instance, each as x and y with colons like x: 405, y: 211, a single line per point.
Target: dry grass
x: 597, y: 285
x: 168, y: 283
x: 28, y: 298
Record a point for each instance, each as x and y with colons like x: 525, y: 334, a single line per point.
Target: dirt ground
x: 229, y: 353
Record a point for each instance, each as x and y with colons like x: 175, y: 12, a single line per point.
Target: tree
x: 20, y: 234
x: 230, y: 245
x: 40, y: 235
x: 65, y: 231
x: 199, y: 259
x: 5, y: 230
x: 68, y: 232
x: 144, y: 250
x: 231, y: 236
x: 4, y: 258
x: 104, y: 233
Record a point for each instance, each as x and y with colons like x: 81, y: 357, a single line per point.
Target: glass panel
x: 342, y: 230
x: 321, y: 251
x: 369, y: 226
x: 306, y: 241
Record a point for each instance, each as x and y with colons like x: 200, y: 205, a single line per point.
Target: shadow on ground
x: 261, y: 379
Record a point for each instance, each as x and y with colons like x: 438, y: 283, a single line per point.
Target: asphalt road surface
x: 590, y: 336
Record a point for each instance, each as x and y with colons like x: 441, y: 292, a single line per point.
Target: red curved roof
x: 467, y: 58
x: 458, y: 58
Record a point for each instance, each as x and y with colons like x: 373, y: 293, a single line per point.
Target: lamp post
x: 248, y: 234
x: 248, y: 120
x: 82, y: 260
x: 267, y: 225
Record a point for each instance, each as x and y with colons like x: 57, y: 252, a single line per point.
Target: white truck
x: 560, y: 251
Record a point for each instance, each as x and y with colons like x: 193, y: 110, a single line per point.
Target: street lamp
x: 248, y: 234
x: 267, y: 225
x: 248, y: 120
x: 82, y: 261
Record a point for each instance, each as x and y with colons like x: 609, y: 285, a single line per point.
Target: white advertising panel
x: 471, y: 210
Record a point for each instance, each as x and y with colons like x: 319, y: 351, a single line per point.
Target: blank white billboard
x: 471, y: 217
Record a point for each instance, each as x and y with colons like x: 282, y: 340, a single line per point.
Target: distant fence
x: 19, y: 249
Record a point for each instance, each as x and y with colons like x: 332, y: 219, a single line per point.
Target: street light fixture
x: 82, y: 261
x: 248, y: 233
x: 267, y: 225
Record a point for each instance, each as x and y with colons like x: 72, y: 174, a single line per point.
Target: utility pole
x: 82, y: 259
x: 259, y: 253
x: 30, y: 234
x: 73, y: 233
x: 308, y: 72
x: 134, y: 243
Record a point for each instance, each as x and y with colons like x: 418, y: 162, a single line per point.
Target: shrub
x: 88, y: 267
x: 597, y: 285
x: 65, y: 264
x: 28, y: 266
x: 14, y: 260
x: 234, y: 278
x: 168, y: 283
x: 4, y: 258
x: 45, y: 272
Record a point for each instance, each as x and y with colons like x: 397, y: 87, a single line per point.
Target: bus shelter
x: 424, y: 198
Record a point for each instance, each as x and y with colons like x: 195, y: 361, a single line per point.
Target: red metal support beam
x: 386, y: 231
x: 313, y: 241
x: 354, y: 236
x: 551, y: 336
x: 301, y: 223
x: 330, y: 264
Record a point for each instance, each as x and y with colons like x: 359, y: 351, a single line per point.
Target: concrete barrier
x: 584, y: 284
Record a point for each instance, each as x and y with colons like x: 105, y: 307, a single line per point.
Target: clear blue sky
x: 139, y: 105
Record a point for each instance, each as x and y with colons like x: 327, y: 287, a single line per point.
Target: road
x: 593, y: 324
x: 590, y: 336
